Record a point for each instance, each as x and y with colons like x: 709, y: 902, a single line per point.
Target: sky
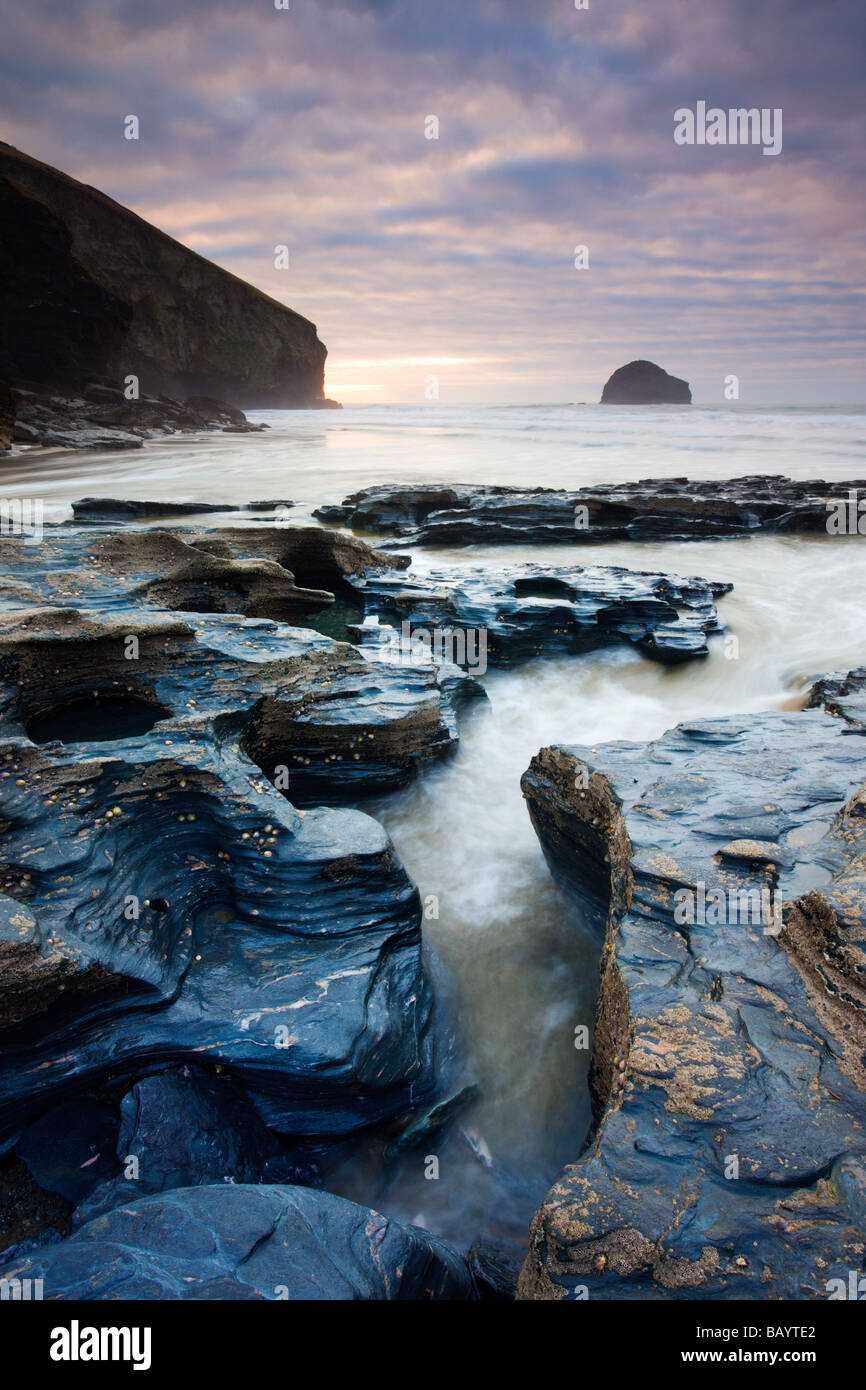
x: 444, y: 269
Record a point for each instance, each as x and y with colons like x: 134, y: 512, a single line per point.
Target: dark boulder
x: 181, y: 1128
x: 71, y: 1149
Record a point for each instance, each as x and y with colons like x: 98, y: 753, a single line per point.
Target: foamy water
x: 514, y: 966
x: 318, y: 456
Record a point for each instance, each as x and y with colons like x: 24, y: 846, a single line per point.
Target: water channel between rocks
x: 510, y: 955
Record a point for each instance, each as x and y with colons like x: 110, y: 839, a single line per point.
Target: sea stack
x: 644, y: 383
x: 90, y: 292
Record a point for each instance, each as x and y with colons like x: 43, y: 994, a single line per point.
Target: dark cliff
x: 90, y: 290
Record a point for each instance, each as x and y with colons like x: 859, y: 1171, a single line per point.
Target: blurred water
x: 319, y: 455
x: 523, y: 963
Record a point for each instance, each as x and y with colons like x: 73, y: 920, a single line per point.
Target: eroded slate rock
x: 300, y: 573
x: 72, y: 1148
x: 529, y: 610
x: 129, y: 509
x: 178, y: 908
x: 728, y: 1158
x: 121, y: 509
x: 101, y: 417
x: 282, y: 572
x: 246, y: 1242
x: 654, y: 509
x: 181, y: 1128
x: 325, y: 724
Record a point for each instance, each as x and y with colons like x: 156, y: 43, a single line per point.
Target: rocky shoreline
x: 101, y: 416
x: 666, y: 509
x: 213, y: 978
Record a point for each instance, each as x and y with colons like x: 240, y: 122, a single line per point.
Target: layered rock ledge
x: 165, y: 895
x: 728, y: 1154
x: 100, y: 417
x: 667, y: 509
x: 298, y: 574
x: 528, y: 610
x: 207, y: 964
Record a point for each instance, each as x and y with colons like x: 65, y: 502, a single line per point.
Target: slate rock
x: 530, y: 610
x: 246, y: 1242
x: 187, y: 1128
x: 717, y: 1042
x: 652, y: 509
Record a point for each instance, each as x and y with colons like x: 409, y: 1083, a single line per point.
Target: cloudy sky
x: 455, y: 257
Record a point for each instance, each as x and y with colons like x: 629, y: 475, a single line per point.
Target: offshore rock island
x: 643, y: 383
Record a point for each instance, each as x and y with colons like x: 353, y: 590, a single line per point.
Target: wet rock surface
x: 728, y: 1156
x: 529, y: 610
x: 274, y: 571
x: 217, y: 970
x: 210, y: 969
x: 667, y: 509
x: 124, y: 509
x: 842, y: 693
x: 240, y: 1241
x: 328, y: 723
x: 315, y: 575
x: 186, y: 1127
x: 164, y: 906
x: 170, y: 905
x: 101, y: 417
